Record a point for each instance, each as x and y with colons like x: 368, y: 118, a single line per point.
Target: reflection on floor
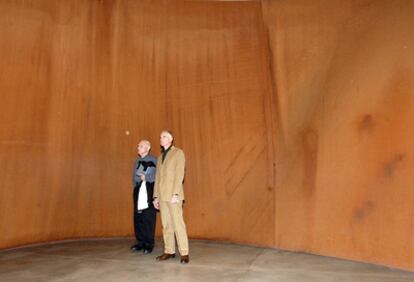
x: 111, y: 260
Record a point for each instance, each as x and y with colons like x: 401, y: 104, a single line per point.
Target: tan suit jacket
x: 170, y: 175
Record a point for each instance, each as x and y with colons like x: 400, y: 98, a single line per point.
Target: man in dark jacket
x: 144, y: 212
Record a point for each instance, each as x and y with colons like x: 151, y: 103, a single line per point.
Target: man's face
x: 142, y: 149
x: 165, y: 139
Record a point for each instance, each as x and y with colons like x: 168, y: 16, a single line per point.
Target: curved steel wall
x: 295, y: 119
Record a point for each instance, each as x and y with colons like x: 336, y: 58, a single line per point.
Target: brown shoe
x: 165, y: 256
x: 185, y: 259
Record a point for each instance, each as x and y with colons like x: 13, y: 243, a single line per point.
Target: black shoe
x: 137, y: 247
x: 147, y: 251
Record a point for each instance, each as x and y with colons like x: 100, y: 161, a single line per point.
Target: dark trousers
x: 144, y: 223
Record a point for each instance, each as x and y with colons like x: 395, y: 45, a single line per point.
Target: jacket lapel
x: 169, y: 156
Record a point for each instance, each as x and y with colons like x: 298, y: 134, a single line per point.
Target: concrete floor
x: 111, y: 260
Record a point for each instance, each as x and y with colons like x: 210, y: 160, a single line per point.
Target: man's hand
x: 174, y: 199
x: 142, y: 177
x: 156, y: 203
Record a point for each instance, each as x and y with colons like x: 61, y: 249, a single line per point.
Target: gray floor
x: 111, y: 260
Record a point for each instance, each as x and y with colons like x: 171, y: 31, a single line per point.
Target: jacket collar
x: 170, y: 152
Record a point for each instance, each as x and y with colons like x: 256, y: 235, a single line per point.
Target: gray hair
x: 169, y: 133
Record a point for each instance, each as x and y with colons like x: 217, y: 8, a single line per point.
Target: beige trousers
x: 172, y: 221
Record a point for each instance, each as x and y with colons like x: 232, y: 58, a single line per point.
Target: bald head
x: 144, y: 146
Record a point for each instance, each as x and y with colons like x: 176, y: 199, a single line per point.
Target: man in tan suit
x: 169, y: 197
